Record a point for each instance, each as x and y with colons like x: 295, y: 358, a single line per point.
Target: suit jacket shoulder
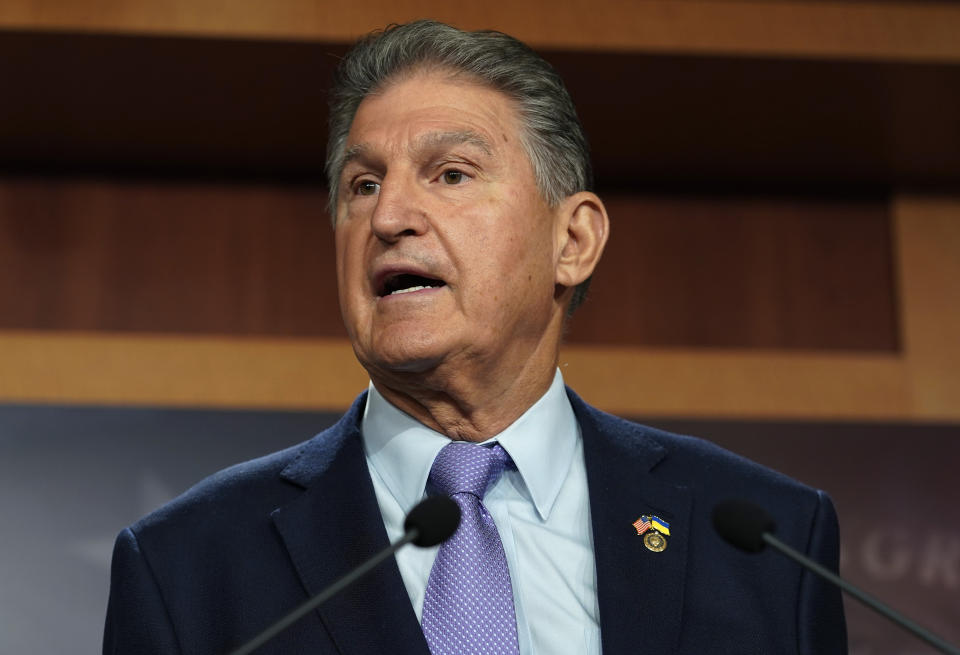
x: 215, y: 566
x: 700, y: 594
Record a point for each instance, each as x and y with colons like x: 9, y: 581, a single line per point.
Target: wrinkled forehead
x: 430, y: 109
x: 428, y: 141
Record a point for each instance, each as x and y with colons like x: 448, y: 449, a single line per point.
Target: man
x: 465, y: 233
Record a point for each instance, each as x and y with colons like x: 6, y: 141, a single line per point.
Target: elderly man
x: 466, y: 233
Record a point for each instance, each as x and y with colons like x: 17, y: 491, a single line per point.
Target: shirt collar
x: 541, y: 443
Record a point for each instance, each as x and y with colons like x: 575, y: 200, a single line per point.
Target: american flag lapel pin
x: 654, y: 531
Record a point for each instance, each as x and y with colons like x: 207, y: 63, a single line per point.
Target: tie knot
x: 466, y: 467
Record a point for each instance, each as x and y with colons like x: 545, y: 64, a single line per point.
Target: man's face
x: 446, y: 251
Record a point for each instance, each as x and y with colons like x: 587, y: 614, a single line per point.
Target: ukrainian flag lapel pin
x: 654, y: 531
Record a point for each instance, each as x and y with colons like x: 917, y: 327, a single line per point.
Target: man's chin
x: 400, y: 364
x: 404, y: 348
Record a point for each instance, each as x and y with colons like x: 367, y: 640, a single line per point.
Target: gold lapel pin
x: 654, y: 531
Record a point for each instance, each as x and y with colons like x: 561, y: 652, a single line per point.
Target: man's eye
x: 367, y: 188
x: 452, y: 177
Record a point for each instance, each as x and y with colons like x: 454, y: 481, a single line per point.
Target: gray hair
x: 551, y: 133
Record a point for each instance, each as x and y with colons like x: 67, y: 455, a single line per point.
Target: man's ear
x: 582, y: 231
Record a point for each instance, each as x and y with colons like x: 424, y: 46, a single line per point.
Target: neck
x: 469, y: 408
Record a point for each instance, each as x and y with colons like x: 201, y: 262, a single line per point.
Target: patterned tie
x: 468, y: 606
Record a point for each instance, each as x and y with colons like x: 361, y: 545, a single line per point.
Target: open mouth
x: 407, y: 283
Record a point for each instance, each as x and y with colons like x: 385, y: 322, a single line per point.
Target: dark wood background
x: 771, y: 271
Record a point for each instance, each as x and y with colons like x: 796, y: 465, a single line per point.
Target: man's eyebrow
x: 433, y: 140
x: 353, y: 152
x: 429, y: 141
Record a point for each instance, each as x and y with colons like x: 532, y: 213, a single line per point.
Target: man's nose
x: 400, y: 211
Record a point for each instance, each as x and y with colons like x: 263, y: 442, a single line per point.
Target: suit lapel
x: 640, y: 592
x: 333, y: 526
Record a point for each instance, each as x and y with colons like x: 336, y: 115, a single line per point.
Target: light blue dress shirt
x: 541, y: 510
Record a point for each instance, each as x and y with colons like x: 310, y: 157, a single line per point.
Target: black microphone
x: 750, y: 528
x: 431, y: 522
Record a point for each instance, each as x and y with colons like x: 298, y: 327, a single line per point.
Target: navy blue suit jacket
x: 215, y: 566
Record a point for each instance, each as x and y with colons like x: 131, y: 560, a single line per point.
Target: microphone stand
x: 862, y: 596
x: 309, y: 605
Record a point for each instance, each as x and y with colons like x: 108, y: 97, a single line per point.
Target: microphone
x: 750, y: 528
x: 432, y: 521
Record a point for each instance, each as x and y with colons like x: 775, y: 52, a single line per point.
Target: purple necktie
x: 468, y: 606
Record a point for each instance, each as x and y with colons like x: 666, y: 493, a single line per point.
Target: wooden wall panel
x: 163, y: 370
x: 195, y: 371
x: 862, y: 29
x: 731, y: 271
x: 155, y: 106
x: 736, y: 272
x: 928, y: 234
x: 166, y: 257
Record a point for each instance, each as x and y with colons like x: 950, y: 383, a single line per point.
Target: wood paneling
x: 842, y: 29
x: 142, y: 105
x: 928, y: 234
x: 717, y: 271
x: 121, y: 105
x: 736, y: 124
x: 761, y: 272
x: 166, y: 257
x: 118, y: 369
x: 918, y: 383
x: 158, y: 370
x: 737, y: 383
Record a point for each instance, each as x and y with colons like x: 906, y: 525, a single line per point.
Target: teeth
x: 408, y: 290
